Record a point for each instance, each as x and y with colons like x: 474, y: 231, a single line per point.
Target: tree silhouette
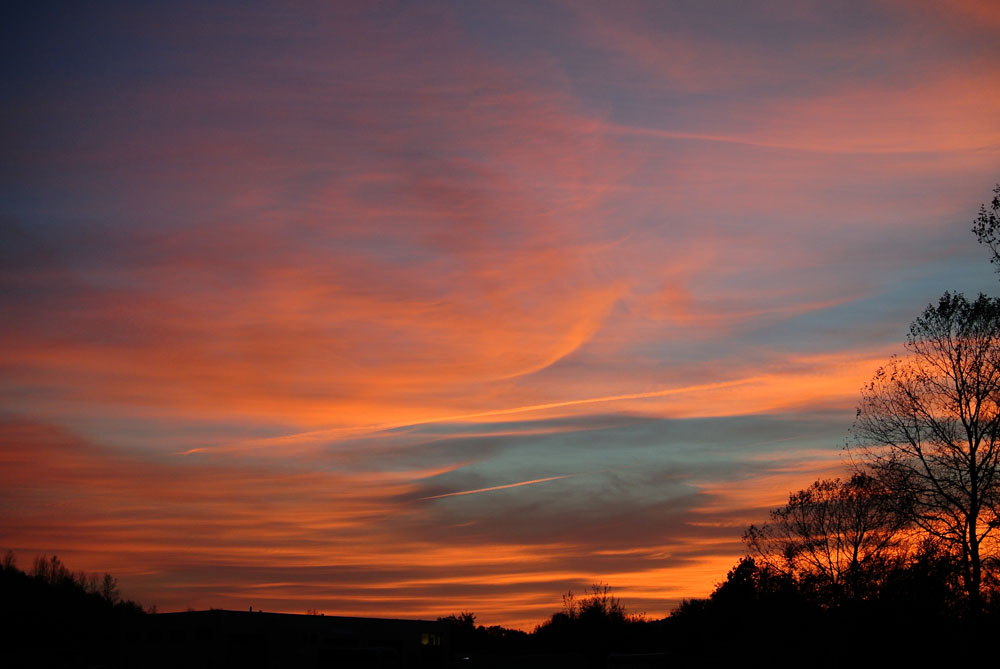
x: 987, y: 226
x: 50, y: 570
x: 593, y: 625
x: 928, y: 426
x: 837, y: 536
x: 109, y: 589
x: 600, y: 606
x: 749, y: 584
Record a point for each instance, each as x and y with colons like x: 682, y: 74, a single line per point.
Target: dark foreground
x: 753, y: 619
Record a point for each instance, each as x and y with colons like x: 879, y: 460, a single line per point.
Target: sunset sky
x: 406, y: 309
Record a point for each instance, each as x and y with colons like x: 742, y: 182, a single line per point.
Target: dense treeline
x: 53, y: 617
x: 585, y: 633
x: 757, y: 616
x: 763, y: 617
x: 910, y: 607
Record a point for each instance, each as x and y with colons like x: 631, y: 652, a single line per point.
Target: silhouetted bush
x: 481, y: 646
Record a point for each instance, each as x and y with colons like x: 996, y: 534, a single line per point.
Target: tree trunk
x: 975, y: 570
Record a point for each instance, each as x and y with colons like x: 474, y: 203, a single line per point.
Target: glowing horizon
x: 434, y: 307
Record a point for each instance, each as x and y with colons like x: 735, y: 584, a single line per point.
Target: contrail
x: 595, y: 400
x: 370, y: 429
x: 499, y: 487
x: 763, y: 143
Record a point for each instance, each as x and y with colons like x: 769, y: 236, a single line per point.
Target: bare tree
x: 109, y: 589
x: 50, y: 570
x: 987, y: 226
x: 928, y: 426
x: 838, y: 534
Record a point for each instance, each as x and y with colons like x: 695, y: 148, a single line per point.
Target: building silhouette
x: 253, y: 639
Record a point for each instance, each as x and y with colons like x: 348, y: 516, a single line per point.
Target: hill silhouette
x: 52, y: 617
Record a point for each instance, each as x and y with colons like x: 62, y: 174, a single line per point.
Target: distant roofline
x: 229, y: 612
